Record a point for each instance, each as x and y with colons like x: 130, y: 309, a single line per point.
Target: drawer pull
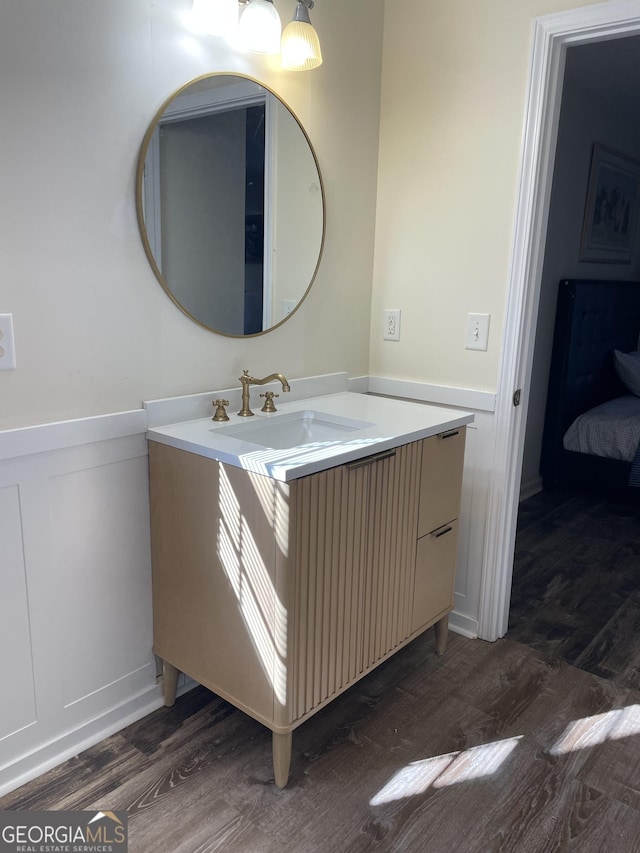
x: 441, y: 531
x: 449, y: 434
x: 369, y: 460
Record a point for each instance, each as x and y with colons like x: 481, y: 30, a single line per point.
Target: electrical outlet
x: 7, y: 343
x: 477, y: 331
x: 391, y: 324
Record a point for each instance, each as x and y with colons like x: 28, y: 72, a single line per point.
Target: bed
x: 592, y: 422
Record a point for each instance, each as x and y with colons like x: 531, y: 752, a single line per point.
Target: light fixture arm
x: 302, y: 11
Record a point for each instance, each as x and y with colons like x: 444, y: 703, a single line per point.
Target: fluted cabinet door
x: 391, y: 552
x: 354, y: 558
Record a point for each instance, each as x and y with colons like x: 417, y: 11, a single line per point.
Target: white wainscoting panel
x: 100, y: 560
x: 75, y: 610
x: 462, y: 617
x: 15, y: 639
x: 473, y: 519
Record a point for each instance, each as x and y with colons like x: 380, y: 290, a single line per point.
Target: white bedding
x: 611, y: 430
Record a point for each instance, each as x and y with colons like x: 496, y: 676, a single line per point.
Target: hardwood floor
x: 456, y: 753
x: 527, y: 745
x: 576, y: 583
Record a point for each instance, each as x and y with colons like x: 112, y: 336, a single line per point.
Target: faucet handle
x: 268, y: 401
x: 220, y: 414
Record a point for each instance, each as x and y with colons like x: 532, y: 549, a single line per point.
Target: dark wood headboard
x: 592, y: 319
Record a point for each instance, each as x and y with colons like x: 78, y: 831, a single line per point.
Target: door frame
x: 551, y: 36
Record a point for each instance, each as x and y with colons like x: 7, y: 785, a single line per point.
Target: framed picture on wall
x: 611, y: 212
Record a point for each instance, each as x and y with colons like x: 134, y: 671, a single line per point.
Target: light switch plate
x: 7, y: 343
x: 477, y: 331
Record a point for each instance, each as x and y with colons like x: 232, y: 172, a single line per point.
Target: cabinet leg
x: 281, y: 747
x: 442, y: 632
x: 170, y: 683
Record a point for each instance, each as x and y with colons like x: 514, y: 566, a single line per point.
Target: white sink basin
x: 279, y: 432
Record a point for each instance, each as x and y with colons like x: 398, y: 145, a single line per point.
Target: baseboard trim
x: 59, y: 749
x: 530, y: 487
x: 464, y: 625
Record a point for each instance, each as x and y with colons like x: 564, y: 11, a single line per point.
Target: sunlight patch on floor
x: 444, y: 770
x: 593, y: 731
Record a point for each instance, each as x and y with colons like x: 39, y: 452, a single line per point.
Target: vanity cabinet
x: 278, y: 596
x: 440, y: 479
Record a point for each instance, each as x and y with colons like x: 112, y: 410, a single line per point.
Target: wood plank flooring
x: 576, y: 583
x: 509, y: 747
x: 459, y: 753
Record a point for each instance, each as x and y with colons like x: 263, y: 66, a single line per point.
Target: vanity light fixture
x: 300, y: 42
x: 216, y: 17
x: 259, y: 29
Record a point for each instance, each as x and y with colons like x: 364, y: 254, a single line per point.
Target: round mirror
x: 230, y: 204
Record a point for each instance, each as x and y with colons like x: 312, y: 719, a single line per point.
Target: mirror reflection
x: 230, y: 204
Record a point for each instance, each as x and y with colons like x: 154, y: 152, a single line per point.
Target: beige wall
x: 81, y: 80
x: 94, y: 331
x: 453, y: 101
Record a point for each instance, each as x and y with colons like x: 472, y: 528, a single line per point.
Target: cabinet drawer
x: 435, y: 571
x: 441, y: 480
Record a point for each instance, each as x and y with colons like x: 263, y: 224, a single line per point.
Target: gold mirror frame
x: 140, y: 170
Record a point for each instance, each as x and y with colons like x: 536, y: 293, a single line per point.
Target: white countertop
x: 389, y: 423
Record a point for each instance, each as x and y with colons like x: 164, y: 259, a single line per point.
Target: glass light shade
x: 300, y: 47
x: 216, y: 17
x: 260, y: 28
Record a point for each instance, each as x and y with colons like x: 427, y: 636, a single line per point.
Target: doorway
x: 575, y: 593
x: 600, y: 99
x: 553, y: 35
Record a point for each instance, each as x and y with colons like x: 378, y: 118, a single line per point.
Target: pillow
x: 627, y: 365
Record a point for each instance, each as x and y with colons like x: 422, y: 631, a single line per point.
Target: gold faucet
x: 246, y: 380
